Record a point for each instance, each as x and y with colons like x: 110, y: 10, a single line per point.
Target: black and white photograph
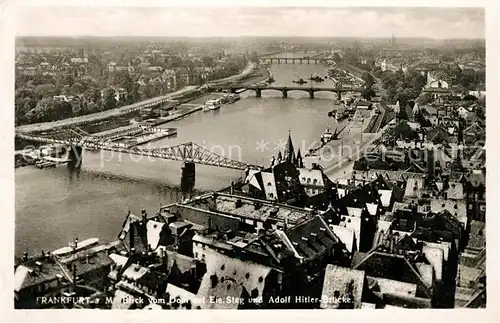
x: 249, y: 157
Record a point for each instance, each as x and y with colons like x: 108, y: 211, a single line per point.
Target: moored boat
x: 327, y: 135
x: 79, y: 246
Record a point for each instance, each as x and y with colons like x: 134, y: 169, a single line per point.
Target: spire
x: 397, y: 109
x: 273, y: 161
x: 299, y: 160
x: 280, y: 157
x: 289, y: 151
x: 416, y: 109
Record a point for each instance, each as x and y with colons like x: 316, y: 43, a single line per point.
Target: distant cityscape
x: 386, y: 209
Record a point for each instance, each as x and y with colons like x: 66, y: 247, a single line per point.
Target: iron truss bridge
x: 186, y: 152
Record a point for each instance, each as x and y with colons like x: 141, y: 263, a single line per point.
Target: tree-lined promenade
x: 119, y: 111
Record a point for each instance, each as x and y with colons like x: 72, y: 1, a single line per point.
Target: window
x: 196, y: 255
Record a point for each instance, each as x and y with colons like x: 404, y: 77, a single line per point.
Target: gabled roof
x: 438, y: 226
x: 391, y: 266
x: 457, y: 208
x: 312, y: 238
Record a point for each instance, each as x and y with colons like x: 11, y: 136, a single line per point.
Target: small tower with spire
x: 416, y: 109
x: 397, y: 111
x: 289, y: 155
x: 299, y: 162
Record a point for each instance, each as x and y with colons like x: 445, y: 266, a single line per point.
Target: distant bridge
x: 189, y: 153
x: 293, y: 60
x: 285, y: 89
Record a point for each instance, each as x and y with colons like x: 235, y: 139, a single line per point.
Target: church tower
x: 289, y: 155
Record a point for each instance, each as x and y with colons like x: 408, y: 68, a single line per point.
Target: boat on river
x: 327, y: 135
x: 79, y: 246
x: 213, y: 104
x: 316, y: 78
x: 300, y: 81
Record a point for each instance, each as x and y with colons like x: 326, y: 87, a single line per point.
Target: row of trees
x: 400, y: 86
x: 34, y: 100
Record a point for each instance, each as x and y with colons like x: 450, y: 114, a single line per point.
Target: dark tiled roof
x: 153, y: 280
x: 27, y: 274
x: 357, y: 258
x: 438, y: 226
x: 391, y: 266
x: 312, y: 238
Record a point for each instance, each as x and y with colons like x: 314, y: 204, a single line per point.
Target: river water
x: 53, y: 206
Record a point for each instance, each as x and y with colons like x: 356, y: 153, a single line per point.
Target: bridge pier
x: 188, y: 177
x: 311, y: 94
x: 300, y: 59
x: 308, y: 61
x: 75, y: 157
x: 279, y: 61
x: 258, y: 93
x: 285, y: 93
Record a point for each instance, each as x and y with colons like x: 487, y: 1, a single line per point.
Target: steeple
x: 289, y: 151
x: 416, y: 109
x: 280, y: 158
x: 299, y: 163
x: 397, y: 109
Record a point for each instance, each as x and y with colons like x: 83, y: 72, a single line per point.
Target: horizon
x: 437, y: 23
x: 246, y: 36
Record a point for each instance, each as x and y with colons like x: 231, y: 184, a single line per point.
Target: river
x: 53, y: 206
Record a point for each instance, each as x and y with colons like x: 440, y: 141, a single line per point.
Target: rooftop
x: 249, y: 208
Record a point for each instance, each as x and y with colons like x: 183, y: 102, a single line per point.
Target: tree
x: 367, y: 93
x: 469, y: 97
x: 403, y: 130
x: 45, y: 90
x: 368, y: 79
x: 109, y: 99
x: 208, y: 61
x: 425, y: 98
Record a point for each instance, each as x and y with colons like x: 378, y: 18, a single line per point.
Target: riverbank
x: 184, y: 95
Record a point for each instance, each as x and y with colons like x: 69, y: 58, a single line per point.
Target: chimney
x: 238, y: 203
x: 232, y: 188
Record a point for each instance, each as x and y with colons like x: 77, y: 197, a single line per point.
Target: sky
x: 439, y: 23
